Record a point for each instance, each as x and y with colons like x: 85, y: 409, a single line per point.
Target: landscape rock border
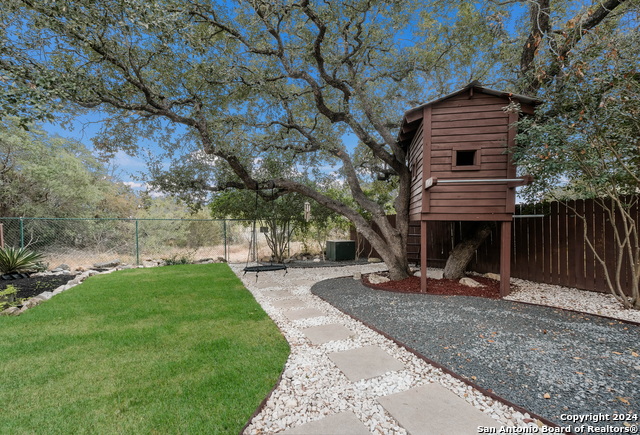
x: 45, y: 296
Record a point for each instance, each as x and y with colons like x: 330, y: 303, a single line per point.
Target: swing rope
x: 253, y: 247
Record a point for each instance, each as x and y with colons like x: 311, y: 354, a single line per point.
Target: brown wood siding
x: 427, y: 112
x: 498, y: 120
x: 498, y: 146
x: 485, y: 108
x: 511, y: 168
x: 477, y: 123
x: 436, y: 196
x: 463, y: 100
x: 469, y: 116
x: 416, y: 155
x: 468, y: 210
x: 466, y: 130
x: 471, y: 138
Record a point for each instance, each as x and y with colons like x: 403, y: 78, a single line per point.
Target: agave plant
x: 15, y: 260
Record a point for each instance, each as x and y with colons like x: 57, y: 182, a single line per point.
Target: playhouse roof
x: 412, y: 117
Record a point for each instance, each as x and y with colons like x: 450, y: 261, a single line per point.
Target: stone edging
x: 45, y: 296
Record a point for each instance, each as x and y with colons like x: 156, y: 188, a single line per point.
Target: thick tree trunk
x: 397, y: 261
x: 477, y: 233
x: 390, y: 244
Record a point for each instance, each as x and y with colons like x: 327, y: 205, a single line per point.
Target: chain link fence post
x: 137, y: 246
x: 224, y: 238
x: 21, y: 233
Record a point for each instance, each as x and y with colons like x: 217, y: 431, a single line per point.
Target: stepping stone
x: 304, y: 313
x: 303, y: 282
x: 263, y: 283
x: 345, y: 423
x: 262, y: 286
x: 277, y: 293
x: 365, y: 362
x: 326, y: 333
x: 434, y: 410
x: 288, y: 303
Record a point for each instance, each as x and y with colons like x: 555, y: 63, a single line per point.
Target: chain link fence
x: 85, y: 242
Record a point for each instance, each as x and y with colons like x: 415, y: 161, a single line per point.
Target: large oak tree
x: 289, y: 83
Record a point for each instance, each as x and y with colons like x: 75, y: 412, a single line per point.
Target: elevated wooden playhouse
x: 460, y: 165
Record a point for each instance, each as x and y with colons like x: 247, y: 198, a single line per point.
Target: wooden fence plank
x: 563, y: 251
x: 554, y: 245
x: 571, y: 243
x: 522, y: 265
x: 546, y: 244
x: 610, y: 245
x: 635, y: 213
x: 589, y: 258
x: 579, y: 257
x: 636, y: 240
x: 515, y: 253
x: 539, y: 224
x: 598, y: 242
x: 493, y: 250
x: 518, y: 254
x: 623, y: 256
x: 563, y: 243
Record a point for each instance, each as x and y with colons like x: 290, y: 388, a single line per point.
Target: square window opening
x: 466, y: 158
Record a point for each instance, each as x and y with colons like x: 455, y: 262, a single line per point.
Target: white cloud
x: 137, y: 186
x: 134, y: 184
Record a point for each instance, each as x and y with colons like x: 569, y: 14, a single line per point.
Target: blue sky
x: 84, y: 128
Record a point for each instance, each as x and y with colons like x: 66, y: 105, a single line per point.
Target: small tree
x: 322, y: 225
x: 585, y: 143
x: 281, y: 216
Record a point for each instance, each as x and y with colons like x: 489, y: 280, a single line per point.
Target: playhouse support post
x: 505, y: 259
x: 423, y: 256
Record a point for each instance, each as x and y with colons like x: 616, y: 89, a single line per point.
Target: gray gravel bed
x: 585, y: 364
x: 307, y: 264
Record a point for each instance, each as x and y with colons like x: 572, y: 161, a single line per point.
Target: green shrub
x: 15, y: 260
x: 177, y: 259
x: 7, y: 296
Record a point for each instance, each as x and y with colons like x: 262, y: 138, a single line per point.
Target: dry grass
x: 85, y: 258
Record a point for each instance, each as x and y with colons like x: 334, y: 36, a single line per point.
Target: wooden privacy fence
x: 549, y: 245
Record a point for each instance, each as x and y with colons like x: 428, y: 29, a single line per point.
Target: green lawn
x: 177, y: 349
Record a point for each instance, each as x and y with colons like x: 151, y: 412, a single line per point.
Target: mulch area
x: 33, y: 286
x: 447, y: 287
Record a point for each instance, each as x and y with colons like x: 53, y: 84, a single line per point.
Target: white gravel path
x: 602, y: 304
x: 312, y: 387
